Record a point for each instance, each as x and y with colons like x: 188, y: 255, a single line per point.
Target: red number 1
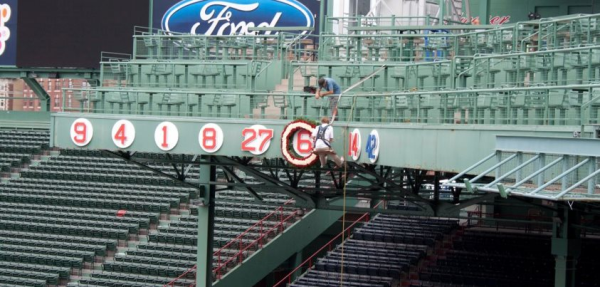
x: 164, y: 143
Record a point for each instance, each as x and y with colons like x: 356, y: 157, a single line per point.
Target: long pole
x: 358, y: 84
x: 150, y: 14
x: 322, y: 16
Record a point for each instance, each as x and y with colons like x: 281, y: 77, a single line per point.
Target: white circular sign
x: 123, y: 134
x: 257, y: 139
x: 372, y: 146
x: 82, y: 132
x: 355, y: 146
x: 166, y: 136
x: 302, y: 142
x: 210, y: 138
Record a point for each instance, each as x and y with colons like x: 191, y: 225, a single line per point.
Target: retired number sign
x: 257, y: 139
x: 296, y: 143
x: 166, y: 136
x: 211, y: 138
x: 354, y: 144
x: 82, y: 132
x: 123, y: 134
x: 296, y: 139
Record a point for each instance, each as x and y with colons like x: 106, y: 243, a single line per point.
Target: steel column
x: 566, y: 246
x: 39, y: 92
x: 206, y: 216
x: 296, y: 261
x: 593, y: 165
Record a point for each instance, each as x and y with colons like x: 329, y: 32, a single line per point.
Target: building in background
x: 27, y: 100
x: 6, y: 92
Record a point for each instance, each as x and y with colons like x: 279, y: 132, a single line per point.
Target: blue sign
x: 235, y: 17
x: 8, y: 32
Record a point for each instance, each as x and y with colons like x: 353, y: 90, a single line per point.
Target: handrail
x: 328, y: 244
x: 258, y: 240
x: 239, y: 238
x: 172, y: 283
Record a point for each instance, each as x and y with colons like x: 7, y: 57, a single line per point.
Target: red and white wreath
x: 287, y: 144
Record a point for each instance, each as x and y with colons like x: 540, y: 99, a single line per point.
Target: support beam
x: 301, y: 198
x: 206, y: 216
x: 566, y: 246
x: 39, y: 92
x: 296, y: 261
x: 129, y: 158
x: 484, y: 11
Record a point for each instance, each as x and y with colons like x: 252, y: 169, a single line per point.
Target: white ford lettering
x: 222, y: 21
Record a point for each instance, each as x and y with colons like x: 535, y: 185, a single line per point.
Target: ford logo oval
x: 235, y: 17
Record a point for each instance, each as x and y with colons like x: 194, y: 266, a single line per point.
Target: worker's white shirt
x: 328, y: 136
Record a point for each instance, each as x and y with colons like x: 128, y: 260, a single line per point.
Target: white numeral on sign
x: 211, y: 138
x: 123, y: 134
x: 257, y: 139
x: 166, y: 136
x: 82, y: 132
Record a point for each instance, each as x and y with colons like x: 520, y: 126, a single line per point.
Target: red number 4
x: 120, y: 134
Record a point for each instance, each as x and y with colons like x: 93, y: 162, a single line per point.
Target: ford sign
x: 235, y: 17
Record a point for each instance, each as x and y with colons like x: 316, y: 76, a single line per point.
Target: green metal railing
x: 572, y: 105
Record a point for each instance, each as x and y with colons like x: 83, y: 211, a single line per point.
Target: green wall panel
x: 422, y: 146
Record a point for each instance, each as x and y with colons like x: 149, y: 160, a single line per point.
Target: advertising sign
x: 234, y: 17
x: 73, y: 33
x: 8, y: 32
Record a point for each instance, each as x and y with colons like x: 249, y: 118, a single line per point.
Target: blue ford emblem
x: 235, y: 17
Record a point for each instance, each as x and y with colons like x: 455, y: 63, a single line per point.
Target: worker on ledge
x: 322, y: 137
x: 332, y: 89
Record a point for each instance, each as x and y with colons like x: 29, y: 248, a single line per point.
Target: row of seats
x: 428, y: 45
x: 187, y: 75
x: 481, y: 258
x: 169, y: 46
x: 372, y: 262
x: 55, y: 221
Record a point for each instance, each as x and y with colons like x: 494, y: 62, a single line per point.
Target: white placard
x: 210, y: 138
x: 166, y: 136
x: 82, y: 132
x: 123, y: 134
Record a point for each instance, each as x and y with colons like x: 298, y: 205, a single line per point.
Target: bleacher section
x: 19, y: 148
x: 88, y: 220
x: 482, y: 258
x: 527, y: 73
x: 380, y: 253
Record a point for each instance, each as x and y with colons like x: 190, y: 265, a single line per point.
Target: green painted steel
x: 206, y: 215
x: 519, y: 167
x: 66, y: 73
x: 39, y: 91
x: 420, y: 146
x: 17, y: 119
x: 290, y: 242
x: 566, y: 246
